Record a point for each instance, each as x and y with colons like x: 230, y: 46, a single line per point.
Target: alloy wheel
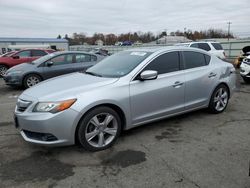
x: 101, y: 130
x: 32, y: 80
x: 3, y: 70
x: 221, y: 99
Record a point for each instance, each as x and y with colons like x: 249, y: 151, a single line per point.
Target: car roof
x: 167, y: 48
x: 70, y: 52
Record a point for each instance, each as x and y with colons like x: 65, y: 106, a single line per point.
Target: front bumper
x: 47, y: 128
x: 245, y: 70
x: 15, y: 80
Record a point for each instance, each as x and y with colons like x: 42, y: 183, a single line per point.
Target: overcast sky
x: 48, y: 18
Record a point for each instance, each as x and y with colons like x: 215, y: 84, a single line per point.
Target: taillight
x: 224, y: 54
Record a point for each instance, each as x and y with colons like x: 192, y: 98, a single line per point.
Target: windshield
x: 43, y: 58
x: 119, y: 64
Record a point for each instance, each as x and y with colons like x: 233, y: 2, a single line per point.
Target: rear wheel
x: 99, y: 129
x: 247, y: 80
x: 31, y: 80
x: 219, y: 99
x: 3, y: 70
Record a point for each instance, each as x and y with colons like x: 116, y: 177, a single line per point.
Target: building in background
x: 9, y: 44
x: 169, y: 40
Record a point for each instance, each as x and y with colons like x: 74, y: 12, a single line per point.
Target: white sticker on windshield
x: 138, y: 53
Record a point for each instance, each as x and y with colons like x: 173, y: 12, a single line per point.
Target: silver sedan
x: 123, y: 91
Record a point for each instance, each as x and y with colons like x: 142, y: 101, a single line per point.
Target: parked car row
x: 48, y: 66
x: 122, y: 91
x: 23, y: 56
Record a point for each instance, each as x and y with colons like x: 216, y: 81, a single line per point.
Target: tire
x: 31, y: 80
x: 246, y: 80
x: 3, y: 70
x: 219, y: 99
x: 94, y: 134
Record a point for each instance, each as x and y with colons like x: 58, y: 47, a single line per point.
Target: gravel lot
x: 193, y: 150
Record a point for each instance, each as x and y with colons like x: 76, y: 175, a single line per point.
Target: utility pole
x: 166, y: 36
x: 228, y: 31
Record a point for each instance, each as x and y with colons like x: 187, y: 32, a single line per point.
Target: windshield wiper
x: 93, y: 74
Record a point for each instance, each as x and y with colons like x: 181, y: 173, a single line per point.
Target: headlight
x: 53, y: 107
x: 247, y: 61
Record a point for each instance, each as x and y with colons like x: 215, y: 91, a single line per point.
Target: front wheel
x: 3, y: 70
x: 31, y: 80
x: 219, y: 99
x: 99, y: 129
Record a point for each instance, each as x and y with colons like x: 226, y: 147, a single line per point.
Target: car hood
x: 246, y: 49
x: 66, y: 86
x: 3, y: 59
x: 21, y: 67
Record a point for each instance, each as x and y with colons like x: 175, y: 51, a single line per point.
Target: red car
x: 22, y: 56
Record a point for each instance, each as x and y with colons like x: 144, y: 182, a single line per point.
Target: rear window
x: 217, y: 46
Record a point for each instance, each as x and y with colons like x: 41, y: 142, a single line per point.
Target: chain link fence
x: 232, y: 48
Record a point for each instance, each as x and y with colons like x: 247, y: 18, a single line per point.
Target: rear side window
x: 81, y: 58
x: 38, y: 53
x: 207, y: 58
x: 204, y: 46
x: 217, y: 46
x: 165, y: 63
x: 93, y: 58
x: 194, y: 59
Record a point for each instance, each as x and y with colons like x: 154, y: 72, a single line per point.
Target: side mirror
x: 49, y: 63
x: 149, y: 75
x: 15, y: 57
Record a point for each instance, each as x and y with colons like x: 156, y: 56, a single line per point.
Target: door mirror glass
x: 50, y: 63
x: 149, y: 75
x: 15, y: 57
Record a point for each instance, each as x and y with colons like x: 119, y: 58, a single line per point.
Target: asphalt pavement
x: 193, y: 150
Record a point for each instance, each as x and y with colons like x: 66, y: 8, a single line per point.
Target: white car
x: 214, y: 48
x: 245, y: 69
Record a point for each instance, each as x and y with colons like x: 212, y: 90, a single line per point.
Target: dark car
x: 22, y: 56
x: 51, y: 65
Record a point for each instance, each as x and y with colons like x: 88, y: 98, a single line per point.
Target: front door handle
x: 178, y: 84
x: 212, y: 75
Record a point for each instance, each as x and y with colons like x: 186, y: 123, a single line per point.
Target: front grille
x: 40, y: 136
x: 22, y: 105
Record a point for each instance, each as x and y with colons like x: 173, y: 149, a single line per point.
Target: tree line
x: 143, y: 37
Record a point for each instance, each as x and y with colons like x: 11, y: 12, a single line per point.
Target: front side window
x: 26, y: 53
x: 194, y: 59
x: 165, y: 63
x: 62, y: 59
x: 194, y: 45
x: 80, y: 58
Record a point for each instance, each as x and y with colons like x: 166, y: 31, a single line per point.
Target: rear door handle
x: 178, y: 84
x: 212, y: 75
